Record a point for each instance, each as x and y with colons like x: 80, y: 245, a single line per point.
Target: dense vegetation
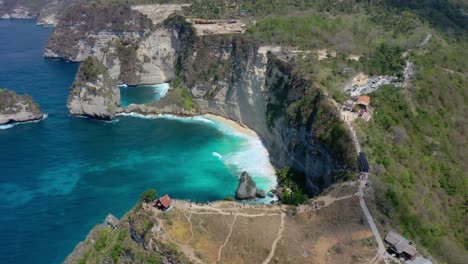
x: 417, y: 145
x: 385, y: 61
x: 291, y: 182
x: 91, y: 69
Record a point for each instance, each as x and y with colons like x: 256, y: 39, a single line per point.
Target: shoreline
x: 244, y: 130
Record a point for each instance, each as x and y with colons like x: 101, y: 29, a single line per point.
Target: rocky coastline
x: 225, y: 75
x: 15, y: 108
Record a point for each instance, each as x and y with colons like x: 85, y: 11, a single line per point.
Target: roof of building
x: 363, y: 100
x: 419, y: 260
x: 400, y: 243
x: 404, y: 247
x: 392, y: 237
x: 165, y: 201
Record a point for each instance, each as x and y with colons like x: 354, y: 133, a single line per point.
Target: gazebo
x: 164, y: 202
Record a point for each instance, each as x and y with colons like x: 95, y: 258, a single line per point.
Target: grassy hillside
x: 417, y: 144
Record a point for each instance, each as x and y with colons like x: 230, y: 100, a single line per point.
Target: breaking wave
x: 251, y: 156
x: 7, y: 126
x: 216, y: 154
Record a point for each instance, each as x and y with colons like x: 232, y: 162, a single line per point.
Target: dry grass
x: 334, y: 234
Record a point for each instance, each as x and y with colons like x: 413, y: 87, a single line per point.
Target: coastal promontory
x: 17, y: 108
x: 93, y: 94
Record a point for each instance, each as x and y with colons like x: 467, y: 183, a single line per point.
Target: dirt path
x: 227, y: 239
x: 370, y: 220
x: 450, y: 71
x: 273, y: 246
x: 191, y: 227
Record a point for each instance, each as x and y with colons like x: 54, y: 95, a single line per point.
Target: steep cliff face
x: 87, y: 31
x: 133, y: 49
x: 232, y: 77
x: 94, y: 94
x: 17, y: 108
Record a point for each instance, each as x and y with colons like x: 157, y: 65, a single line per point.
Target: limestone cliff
x: 17, y: 108
x: 134, y: 50
x: 94, y: 94
x: 232, y: 77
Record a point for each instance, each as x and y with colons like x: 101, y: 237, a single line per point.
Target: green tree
x: 148, y: 195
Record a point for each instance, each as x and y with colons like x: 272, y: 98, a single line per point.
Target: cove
x: 61, y: 176
x: 142, y: 94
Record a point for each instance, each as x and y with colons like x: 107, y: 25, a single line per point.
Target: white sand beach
x: 236, y: 126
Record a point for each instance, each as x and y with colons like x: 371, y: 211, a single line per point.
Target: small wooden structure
x: 363, y: 101
x: 400, y: 246
x: 164, y: 203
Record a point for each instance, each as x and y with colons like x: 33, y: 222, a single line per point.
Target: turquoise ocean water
x: 143, y: 94
x: 61, y: 176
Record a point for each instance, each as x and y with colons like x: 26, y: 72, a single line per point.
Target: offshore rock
x: 17, y: 108
x: 94, y: 94
x: 247, y: 188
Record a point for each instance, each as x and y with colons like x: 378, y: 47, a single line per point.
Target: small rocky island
x: 18, y: 108
x: 247, y: 188
x: 93, y: 93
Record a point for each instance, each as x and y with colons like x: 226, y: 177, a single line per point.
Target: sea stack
x: 93, y: 93
x: 17, y: 108
x: 247, y: 188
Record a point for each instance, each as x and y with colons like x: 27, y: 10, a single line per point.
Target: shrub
x: 148, y: 196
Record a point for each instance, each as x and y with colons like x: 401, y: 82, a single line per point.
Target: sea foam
x: 7, y: 126
x: 252, y: 156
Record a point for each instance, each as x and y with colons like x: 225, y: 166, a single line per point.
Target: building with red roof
x: 164, y: 202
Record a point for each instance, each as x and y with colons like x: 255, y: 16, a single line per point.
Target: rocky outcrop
x: 88, y: 30
x: 126, y: 41
x: 94, y: 94
x: 17, y: 108
x: 132, y: 239
x: 247, y: 188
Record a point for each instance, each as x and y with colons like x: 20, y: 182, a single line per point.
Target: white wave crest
x: 253, y: 158
x: 112, y: 121
x: 7, y: 126
x: 216, y: 154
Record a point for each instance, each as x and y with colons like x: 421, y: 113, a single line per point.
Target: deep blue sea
x: 61, y: 176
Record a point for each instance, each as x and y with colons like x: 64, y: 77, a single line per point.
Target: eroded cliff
x: 230, y: 76
x: 93, y: 94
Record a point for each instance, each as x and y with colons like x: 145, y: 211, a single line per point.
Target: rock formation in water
x: 247, y: 188
x: 17, y: 108
x: 93, y: 93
